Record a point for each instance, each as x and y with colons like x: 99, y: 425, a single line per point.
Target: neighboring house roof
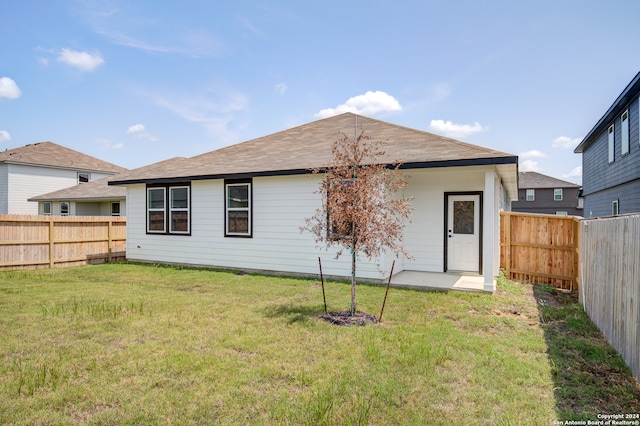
x: 632, y: 89
x: 97, y: 190
x: 534, y: 180
x: 49, y: 154
x: 302, y: 148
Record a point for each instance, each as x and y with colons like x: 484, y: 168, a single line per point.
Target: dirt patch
x: 344, y: 319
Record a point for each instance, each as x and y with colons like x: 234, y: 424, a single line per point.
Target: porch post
x: 489, y: 230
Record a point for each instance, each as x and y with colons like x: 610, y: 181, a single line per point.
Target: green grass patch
x: 144, y: 344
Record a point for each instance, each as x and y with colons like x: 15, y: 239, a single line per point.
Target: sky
x: 134, y: 82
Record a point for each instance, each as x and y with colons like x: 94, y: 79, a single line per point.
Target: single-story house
x: 242, y: 206
x: 95, y: 198
x: 34, y: 169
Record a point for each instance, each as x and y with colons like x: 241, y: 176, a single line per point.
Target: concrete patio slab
x: 438, y: 281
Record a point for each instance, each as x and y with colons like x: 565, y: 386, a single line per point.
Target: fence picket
x: 32, y: 242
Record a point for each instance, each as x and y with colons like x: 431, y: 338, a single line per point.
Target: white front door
x: 463, y: 233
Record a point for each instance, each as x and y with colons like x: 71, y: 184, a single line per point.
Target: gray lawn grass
x: 144, y: 344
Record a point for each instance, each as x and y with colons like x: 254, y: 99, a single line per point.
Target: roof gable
x: 49, y: 154
x: 618, y: 106
x: 534, y: 180
x: 308, y: 146
x: 95, y: 190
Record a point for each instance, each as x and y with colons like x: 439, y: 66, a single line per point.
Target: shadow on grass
x: 589, y: 376
x: 293, y: 313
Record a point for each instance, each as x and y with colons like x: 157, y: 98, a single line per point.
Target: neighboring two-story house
x: 43, y: 167
x: 539, y: 193
x: 611, y: 158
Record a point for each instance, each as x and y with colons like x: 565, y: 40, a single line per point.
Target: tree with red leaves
x: 361, y: 211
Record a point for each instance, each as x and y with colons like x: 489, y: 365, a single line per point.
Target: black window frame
x: 167, y: 209
x: 249, y: 209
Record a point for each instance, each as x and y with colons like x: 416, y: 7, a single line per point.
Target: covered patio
x: 438, y: 281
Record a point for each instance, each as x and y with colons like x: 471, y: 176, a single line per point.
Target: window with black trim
x: 84, y: 178
x: 169, y: 209
x: 237, y: 208
x: 115, y: 208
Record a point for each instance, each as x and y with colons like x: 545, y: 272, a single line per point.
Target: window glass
x: 115, y: 209
x: 463, y: 217
x: 531, y: 194
x: 615, y: 209
x: 611, y: 144
x: 624, y: 133
x: 238, y: 209
x: 64, y: 208
x: 557, y: 194
x: 238, y: 196
x: 179, y: 198
x: 46, y: 208
x: 84, y: 177
x: 156, y: 198
x: 179, y: 215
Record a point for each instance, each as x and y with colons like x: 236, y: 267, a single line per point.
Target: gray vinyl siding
x: 599, y: 204
x: 544, y: 202
x: 602, y: 180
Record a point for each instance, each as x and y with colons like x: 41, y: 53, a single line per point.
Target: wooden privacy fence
x: 610, y: 289
x: 540, y: 248
x: 33, y: 242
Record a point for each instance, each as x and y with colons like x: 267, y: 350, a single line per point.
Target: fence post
x: 507, y: 246
x: 51, y: 243
x: 109, y: 242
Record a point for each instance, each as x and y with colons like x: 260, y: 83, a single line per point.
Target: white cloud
x: 110, y: 145
x: 138, y: 130
x: 529, y: 166
x: 9, y: 89
x: 534, y: 153
x: 453, y: 130
x: 84, y: 61
x: 575, y: 173
x: 4, y: 136
x: 368, y: 104
x: 566, y: 142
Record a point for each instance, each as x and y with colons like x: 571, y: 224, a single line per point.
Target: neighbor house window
x: 84, y: 178
x: 64, y: 208
x: 615, y: 208
x: 115, y: 209
x: 611, y: 144
x: 168, y: 209
x: 624, y: 131
x: 557, y: 194
x: 561, y: 213
x: 46, y: 208
x: 237, y: 202
x: 531, y: 195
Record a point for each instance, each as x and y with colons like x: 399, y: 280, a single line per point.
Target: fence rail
x: 610, y: 290
x: 540, y: 248
x: 33, y: 242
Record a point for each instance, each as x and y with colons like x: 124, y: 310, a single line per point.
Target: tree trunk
x: 352, y: 311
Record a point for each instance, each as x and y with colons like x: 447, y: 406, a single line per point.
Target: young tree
x: 361, y: 212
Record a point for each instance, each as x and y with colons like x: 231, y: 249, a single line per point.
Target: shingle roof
x: 308, y: 146
x: 533, y: 180
x: 91, y: 191
x: 53, y: 155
